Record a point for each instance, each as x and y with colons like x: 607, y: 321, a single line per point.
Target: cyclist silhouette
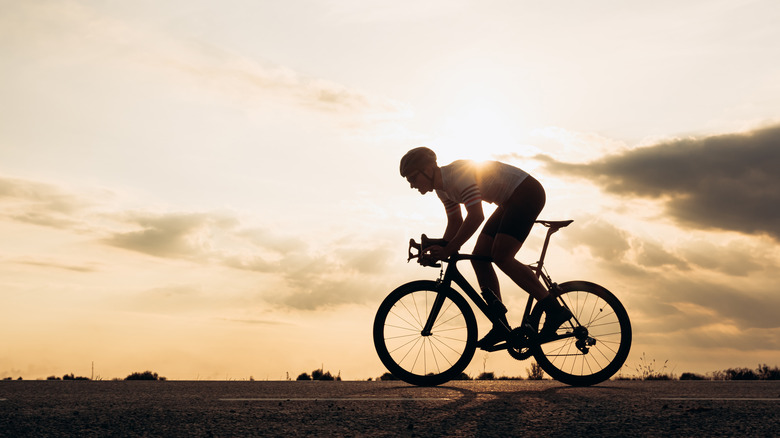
x: 519, y: 197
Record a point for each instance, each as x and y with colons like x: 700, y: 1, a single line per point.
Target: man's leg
x: 505, y: 247
x: 486, y: 275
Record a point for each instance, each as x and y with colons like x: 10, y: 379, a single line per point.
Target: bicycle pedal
x: 496, y: 347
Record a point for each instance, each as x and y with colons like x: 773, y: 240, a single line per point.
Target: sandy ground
x: 474, y: 408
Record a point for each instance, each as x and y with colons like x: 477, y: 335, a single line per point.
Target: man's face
x: 421, y: 181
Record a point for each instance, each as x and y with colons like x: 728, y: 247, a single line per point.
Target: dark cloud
x: 727, y: 182
x: 741, y: 306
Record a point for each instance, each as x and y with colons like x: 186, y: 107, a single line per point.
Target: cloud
x: 726, y: 182
x: 250, y: 80
x: 603, y: 239
x: 631, y: 254
x: 43, y: 263
x: 40, y: 203
x: 343, y: 271
x: 177, y: 235
x: 75, y: 33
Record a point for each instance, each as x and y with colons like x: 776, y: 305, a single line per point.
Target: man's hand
x: 439, y: 253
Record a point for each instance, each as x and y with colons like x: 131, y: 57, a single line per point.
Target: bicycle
x: 425, y: 331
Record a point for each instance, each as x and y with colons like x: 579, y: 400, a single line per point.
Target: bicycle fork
x: 438, y: 302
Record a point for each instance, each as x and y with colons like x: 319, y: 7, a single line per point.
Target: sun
x: 478, y: 130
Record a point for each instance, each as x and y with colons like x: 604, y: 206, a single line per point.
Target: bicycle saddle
x: 555, y: 224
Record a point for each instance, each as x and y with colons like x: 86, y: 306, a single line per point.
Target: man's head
x: 419, y: 162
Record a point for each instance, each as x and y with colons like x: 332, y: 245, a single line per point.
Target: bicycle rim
x: 607, y: 323
x: 413, y: 357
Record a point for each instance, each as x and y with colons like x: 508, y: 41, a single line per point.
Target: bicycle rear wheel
x: 408, y: 353
x: 592, y: 350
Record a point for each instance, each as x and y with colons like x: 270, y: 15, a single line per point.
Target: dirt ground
x: 468, y: 408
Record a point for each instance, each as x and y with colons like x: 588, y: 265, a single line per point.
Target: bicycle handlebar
x: 426, y: 242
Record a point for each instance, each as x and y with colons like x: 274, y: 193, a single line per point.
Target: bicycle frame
x: 452, y: 275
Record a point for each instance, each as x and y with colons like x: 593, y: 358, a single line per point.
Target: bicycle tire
x: 607, y: 322
x: 415, y: 358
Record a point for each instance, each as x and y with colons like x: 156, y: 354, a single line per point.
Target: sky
x: 210, y: 190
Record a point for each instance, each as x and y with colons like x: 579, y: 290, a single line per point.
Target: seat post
x: 550, y: 232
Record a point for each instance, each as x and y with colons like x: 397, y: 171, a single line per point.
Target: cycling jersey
x: 468, y: 183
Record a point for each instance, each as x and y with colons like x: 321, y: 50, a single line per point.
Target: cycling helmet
x: 417, y: 159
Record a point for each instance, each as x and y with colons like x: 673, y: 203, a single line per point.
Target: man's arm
x: 474, y: 218
x: 454, y: 221
x: 459, y: 231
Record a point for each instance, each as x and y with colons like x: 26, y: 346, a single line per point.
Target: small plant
x: 487, y: 376
x: 646, y: 370
x: 535, y: 372
x: 387, y: 376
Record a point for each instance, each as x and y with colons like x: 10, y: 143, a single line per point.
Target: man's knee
x: 502, y: 258
x: 480, y: 265
x: 504, y: 249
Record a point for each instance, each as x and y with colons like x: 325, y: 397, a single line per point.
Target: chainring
x: 519, y: 342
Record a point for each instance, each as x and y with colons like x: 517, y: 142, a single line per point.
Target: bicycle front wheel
x: 592, y: 346
x: 420, y: 358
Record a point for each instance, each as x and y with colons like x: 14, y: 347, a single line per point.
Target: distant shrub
x: 766, y: 373
x: 692, y: 376
x: 72, y: 377
x: 320, y: 374
x: 487, y: 376
x: 146, y: 375
x: 53, y: 378
x: 510, y: 378
x: 463, y: 376
x: 388, y: 376
x: 740, y: 374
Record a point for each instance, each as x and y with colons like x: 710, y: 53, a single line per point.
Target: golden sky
x: 209, y: 190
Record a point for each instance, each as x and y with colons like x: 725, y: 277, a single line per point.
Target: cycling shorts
x: 516, y: 216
